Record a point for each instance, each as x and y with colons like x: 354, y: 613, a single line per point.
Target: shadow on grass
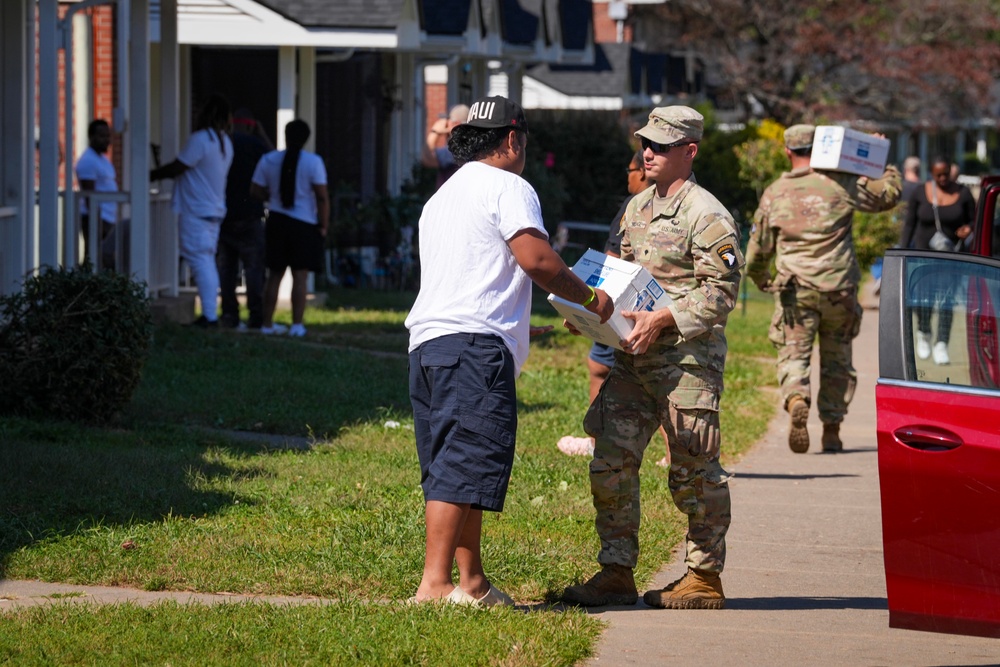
x: 264, y: 384
x: 63, y: 479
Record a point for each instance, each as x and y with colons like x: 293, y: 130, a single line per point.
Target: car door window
x: 951, y: 306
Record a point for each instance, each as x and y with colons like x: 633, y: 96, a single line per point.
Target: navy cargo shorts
x: 464, y: 400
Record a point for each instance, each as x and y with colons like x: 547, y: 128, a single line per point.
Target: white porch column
x: 400, y: 146
x: 286, y: 92
x: 515, y: 82
x: 981, y: 151
x: 137, y: 122
x: 17, y: 151
x: 306, y: 107
x: 286, y: 113
x: 48, y: 133
x: 170, y: 111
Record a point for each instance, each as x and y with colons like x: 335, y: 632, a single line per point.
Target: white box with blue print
x: 629, y: 285
x: 842, y: 149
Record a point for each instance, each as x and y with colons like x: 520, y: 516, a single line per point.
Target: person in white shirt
x: 293, y: 184
x: 199, y: 199
x: 96, y: 173
x: 482, y: 243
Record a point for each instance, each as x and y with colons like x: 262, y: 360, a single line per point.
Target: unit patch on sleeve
x: 727, y: 253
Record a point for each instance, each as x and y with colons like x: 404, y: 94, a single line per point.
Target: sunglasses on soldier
x: 662, y: 148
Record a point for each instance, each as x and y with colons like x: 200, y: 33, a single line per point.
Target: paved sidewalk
x: 804, y: 576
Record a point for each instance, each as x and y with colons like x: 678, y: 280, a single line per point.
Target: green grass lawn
x: 343, y: 519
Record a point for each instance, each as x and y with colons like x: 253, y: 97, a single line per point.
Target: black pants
x: 241, y: 240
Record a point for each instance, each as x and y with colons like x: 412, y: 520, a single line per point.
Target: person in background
x: 943, y: 204
x: 436, y: 153
x: 602, y: 357
x: 241, y: 238
x: 669, y: 374
x: 293, y: 183
x: 804, y: 223
x: 96, y: 173
x: 199, y: 199
x: 482, y: 243
x: 911, y: 177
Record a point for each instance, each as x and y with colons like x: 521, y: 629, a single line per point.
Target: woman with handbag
x: 939, y: 216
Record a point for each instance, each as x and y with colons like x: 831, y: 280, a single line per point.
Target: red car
x: 939, y: 434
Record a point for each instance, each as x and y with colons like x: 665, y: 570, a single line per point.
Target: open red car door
x: 939, y: 436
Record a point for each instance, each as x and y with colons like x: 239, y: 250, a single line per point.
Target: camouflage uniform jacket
x: 692, y: 248
x: 805, y: 220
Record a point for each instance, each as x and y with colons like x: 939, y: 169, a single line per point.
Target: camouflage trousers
x: 835, y: 317
x: 639, y: 395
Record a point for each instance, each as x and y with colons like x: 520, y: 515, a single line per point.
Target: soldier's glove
x: 789, y: 310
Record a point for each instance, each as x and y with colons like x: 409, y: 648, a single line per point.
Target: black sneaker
x: 229, y: 321
x: 205, y: 323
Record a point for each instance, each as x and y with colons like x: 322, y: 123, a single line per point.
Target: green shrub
x: 874, y: 233
x: 72, y: 344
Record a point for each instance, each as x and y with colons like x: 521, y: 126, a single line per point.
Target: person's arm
x: 428, y: 156
x: 547, y: 269
x: 259, y: 192
x: 322, y: 207
x: 910, y: 221
x: 172, y: 170
x: 879, y: 194
x: 762, y: 246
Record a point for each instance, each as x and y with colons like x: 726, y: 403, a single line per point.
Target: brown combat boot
x: 613, y: 585
x: 798, y: 434
x: 695, y: 590
x: 831, y: 439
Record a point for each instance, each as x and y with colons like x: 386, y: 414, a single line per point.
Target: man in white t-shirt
x: 96, y: 173
x: 482, y: 243
x: 200, y: 199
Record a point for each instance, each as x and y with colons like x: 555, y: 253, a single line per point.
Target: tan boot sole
x: 654, y: 599
x: 798, y: 436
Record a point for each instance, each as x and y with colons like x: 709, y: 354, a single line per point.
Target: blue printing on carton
x: 644, y: 301
x: 654, y: 288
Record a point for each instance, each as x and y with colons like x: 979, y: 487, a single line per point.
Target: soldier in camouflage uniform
x: 804, y: 222
x: 670, y: 373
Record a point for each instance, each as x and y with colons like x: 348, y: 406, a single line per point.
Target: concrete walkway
x: 804, y: 576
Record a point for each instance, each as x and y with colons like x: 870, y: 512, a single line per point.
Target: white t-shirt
x: 201, y: 190
x: 92, y: 166
x: 309, y: 171
x: 469, y: 279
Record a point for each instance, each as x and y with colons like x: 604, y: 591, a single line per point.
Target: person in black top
x: 241, y: 237
x: 946, y: 205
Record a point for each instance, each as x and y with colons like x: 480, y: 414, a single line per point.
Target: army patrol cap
x: 798, y: 137
x: 668, y: 125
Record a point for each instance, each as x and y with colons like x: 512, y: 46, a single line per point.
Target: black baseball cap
x: 497, y: 112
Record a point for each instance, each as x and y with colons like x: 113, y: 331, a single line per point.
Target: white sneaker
x: 297, y: 331
x: 574, y: 446
x: 923, y: 345
x: 274, y: 329
x: 941, y: 353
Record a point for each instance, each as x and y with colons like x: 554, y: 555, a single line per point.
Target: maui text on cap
x: 494, y: 112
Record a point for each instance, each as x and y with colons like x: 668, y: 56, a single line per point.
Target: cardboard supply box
x: 842, y: 149
x: 629, y: 285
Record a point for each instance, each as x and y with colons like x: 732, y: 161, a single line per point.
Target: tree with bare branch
x: 908, y: 61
